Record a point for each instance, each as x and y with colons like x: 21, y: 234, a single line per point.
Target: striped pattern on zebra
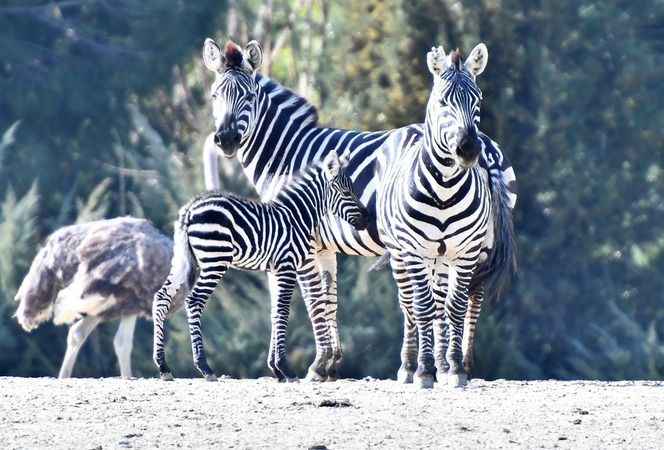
x: 437, y: 213
x: 217, y: 231
x: 275, y: 133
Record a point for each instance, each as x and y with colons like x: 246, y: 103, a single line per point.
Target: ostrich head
x: 37, y: 292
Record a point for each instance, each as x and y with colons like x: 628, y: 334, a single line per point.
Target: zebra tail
x: 182, y: 264
x: 496, y: 273
x: 383, y: 261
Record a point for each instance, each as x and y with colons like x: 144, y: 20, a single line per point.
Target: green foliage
x: 105, y: 109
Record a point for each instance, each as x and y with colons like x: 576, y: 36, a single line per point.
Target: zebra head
x: 234, y: 91
x: 453, y: 111
x: 341, y: 200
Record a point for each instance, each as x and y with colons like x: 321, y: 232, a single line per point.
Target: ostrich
x: 94, y: 272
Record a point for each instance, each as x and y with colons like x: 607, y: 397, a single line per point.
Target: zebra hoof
x: 424, y: 381
x: 405, y: 376
x: 166, y: 376
x: 331, y: 378
x: 314, y: 377
x: 210, y: 377
x: 457, y: 380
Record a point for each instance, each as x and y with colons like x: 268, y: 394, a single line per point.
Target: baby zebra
x: 216, y: 231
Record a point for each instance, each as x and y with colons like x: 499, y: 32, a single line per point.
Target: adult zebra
x: 217, y: 231
x: 275, y: 133
x: 438, y: 211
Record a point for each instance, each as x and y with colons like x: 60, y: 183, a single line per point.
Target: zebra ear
x: 212, y: 56
x: 436, y: 61
x: 477, y: 60
x: 331, y: 165
x: 254, y: 54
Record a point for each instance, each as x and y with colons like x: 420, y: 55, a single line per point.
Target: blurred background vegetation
x: 103, y: 112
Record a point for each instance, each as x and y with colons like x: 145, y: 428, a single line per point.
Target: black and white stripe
x: 437, y: 212
x: 277, y: 134
x: 216, y: 231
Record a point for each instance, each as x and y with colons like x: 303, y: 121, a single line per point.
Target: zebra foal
x: 216, y: 231
x: 438, y: 211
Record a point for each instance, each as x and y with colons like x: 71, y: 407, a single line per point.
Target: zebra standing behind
x: 217, y: 231
x: 275, y: 133
x: 437, y: 211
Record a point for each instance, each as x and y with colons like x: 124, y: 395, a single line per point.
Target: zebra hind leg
x: 282, y: 286
x: 195, y: 304
x: 470, y: 326
x: 160, y: 309
x: 440, y: 329
x: 409, y: 343
x: 328, y: 267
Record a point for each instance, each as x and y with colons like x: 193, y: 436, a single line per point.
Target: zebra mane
x: 280, y: 95
x: 455, y: 58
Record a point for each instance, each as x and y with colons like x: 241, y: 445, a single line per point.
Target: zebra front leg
x: 328, y: 267
x: 123, y: 342
x: 311, y: 285
x: 78, y: 334
x: 424, y: 310
x: 472, y: 316
x: 282, y: 285
x: 409, y: 343
x: 194, y: 305
x: 455, y: 310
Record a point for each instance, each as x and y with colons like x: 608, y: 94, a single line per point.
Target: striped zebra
x: 217, y: 231
x: 445, y: 223
x: 275, y: 133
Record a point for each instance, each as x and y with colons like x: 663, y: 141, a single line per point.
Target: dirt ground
x: 149, y: 413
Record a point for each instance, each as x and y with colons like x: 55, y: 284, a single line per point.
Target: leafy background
x: 103, y: 112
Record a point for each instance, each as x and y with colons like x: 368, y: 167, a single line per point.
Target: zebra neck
x: 281, y: 115
x: 434, y: 156
x: 304, y: 200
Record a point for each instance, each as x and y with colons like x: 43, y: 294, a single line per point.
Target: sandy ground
x: 149, y: 413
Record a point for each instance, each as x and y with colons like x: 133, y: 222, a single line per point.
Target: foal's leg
x: 409, y: 343
x: 161, y: 305
x: 123, y: 342
x: 194, y: 305
x: 78, y: 334
x: 328, y: 267
x: 311, y: 285
x: 282, y: 285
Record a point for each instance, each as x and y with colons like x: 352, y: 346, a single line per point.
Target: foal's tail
x: 496, y: 273
x: 182, y: 264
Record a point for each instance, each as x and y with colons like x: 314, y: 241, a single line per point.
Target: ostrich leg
x: 123, y: 342
x: 78, y: 333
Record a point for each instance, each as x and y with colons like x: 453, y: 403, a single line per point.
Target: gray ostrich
x: 94, y: 272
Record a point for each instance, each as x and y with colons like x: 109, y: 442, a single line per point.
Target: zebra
x: 216, y: 231
x: 275, y: 133
x: 440, y: 216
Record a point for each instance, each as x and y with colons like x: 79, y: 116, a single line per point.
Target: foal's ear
x: 476, y: 61
x: 331, y: 165
x: 212, y: 56
x: 254, y: 54
x: 436, y: 61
